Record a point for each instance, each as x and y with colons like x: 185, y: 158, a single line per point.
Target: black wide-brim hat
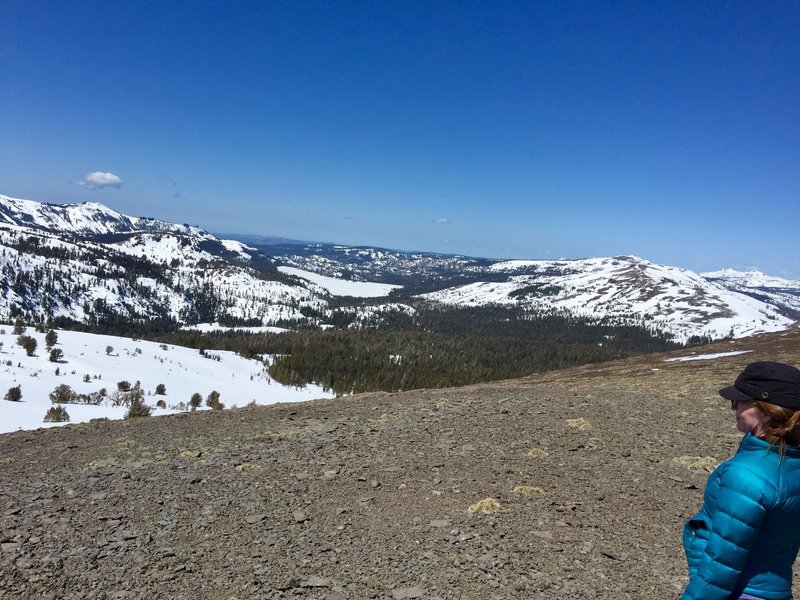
x: 767, y: 381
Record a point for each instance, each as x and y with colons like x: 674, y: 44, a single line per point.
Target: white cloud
x: 442, y: 221
x: 99, y: 179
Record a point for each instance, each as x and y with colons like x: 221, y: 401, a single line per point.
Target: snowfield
x: 342, y: 287
x: 184, y: 371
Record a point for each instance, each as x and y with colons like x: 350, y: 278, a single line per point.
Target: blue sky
x: 668, y: 130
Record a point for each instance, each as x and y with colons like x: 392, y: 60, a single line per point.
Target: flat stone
x: 315, y: 581
x: 409, y: 592
x: 252, y: 519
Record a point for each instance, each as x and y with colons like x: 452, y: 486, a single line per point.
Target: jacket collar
x: 751, y: 442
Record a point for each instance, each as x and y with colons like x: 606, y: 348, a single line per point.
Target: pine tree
x: 50, y: 339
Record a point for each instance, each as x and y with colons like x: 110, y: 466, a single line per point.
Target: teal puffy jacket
x: 745, y: 538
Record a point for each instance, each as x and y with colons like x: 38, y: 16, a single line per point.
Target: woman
x: 744, y: 540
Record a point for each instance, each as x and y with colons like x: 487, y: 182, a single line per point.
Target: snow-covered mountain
x: 624, y: 289
x: 88, y: 219
x: 783, y: 293
x: 90, y: 264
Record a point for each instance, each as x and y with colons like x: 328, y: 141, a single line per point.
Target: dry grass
x: 487, y: 506
x: 580, y: 424
x: 247, y: 468
x: 528, y: 490
x: 537, y: 453
x: 697, y: 463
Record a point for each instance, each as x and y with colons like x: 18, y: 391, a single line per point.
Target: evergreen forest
x: 434, y: 348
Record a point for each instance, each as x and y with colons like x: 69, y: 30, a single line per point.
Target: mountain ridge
x: 91, y: 264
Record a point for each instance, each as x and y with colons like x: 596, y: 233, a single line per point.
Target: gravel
x: 572, y: 476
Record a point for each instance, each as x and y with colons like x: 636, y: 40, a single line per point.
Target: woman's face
x: 749, y: 419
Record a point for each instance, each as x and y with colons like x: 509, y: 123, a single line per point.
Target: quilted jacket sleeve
x: 736, y: 517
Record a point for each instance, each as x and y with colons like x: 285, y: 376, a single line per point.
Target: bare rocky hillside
x: 563, y: 485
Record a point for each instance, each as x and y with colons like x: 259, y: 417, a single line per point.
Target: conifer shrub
x: 56, y: 414
x: 124, y: 386
x: 56, y: 354
x: 14, y: 394
x: 50, y: 339
x: 213, y: 401
x: 195, y: 401
x: 161, y: 389
x: 63, y: 394
x: 28, y: 344
x: 19, y: 326
x: 161, y: 404
x: 136, y: 405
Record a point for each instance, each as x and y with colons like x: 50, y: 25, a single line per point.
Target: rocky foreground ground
x: 563, y: 485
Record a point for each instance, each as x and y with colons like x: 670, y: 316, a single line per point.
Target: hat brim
x: 734, y: 395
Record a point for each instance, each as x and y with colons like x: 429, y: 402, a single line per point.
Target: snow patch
x: 706, y: 356
x: 341, y: 287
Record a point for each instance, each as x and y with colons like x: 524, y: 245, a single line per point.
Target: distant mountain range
x: 90, y: 264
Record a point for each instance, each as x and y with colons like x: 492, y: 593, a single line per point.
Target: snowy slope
x: 751, y: 279
x: 144, y: 276
x: 86, y: 219
x: 90, y: 264
x: 623, y: 289
x: 182, y: 370
x: 783, y: 293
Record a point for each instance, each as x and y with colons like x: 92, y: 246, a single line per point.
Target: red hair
x: 783, y: 427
